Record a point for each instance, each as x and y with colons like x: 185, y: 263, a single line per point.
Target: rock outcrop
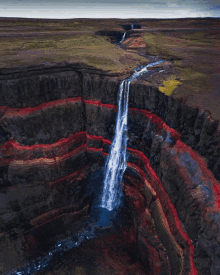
x: 57, y: 125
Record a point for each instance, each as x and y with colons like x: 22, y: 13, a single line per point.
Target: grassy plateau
x: 190, y: 48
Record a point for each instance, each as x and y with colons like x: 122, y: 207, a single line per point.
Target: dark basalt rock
x: 128, y: 26
x: 4, y: 136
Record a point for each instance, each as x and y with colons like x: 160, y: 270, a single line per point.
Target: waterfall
x: 112, y: 191
x: 132, y: 26
x: 116, y: 160
x: 123, y: 38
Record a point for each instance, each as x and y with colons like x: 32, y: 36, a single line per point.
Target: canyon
x: 57, y: 124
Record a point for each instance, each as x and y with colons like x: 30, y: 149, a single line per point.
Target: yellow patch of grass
x: 169, y: 85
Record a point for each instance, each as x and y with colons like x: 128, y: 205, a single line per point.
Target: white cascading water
x: 123, y: 38
x: 116, y: 161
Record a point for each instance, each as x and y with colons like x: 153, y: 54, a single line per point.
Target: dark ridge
x: 128, y: 26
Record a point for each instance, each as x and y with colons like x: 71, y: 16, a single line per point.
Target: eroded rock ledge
x: 56, y: 127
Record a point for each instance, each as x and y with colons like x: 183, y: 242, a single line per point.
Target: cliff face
x: 56, y: 128
x: 197, y: 128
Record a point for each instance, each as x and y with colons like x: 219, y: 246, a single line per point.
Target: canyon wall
x: 56, y: 128
x: 197, y: 128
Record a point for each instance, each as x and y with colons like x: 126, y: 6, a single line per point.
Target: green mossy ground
x: 65, y: 40
x: 85, y: 47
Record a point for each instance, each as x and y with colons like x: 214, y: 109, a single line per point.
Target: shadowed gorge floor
x: 105, y: 254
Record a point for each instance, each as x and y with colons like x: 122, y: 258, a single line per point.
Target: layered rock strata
x: 56, y: 127
x: 33, y: 86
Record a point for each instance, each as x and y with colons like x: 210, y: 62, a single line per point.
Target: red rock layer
x: 12, y: 150
x: 161, y: 125
x: 10, y: 112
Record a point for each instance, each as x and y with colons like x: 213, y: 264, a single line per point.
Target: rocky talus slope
x: 57, y: 124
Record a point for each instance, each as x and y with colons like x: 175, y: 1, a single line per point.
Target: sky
x: 109, y: 8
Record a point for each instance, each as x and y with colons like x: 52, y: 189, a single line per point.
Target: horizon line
x: 104, y: 18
